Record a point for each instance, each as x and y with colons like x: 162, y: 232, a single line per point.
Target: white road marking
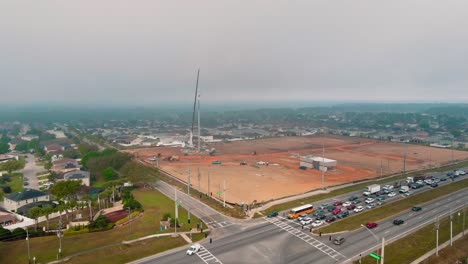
x: 206, y: 256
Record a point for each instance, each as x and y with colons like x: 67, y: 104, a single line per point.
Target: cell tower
x: 193, y: 114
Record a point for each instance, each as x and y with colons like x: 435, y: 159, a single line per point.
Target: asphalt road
x: 29, y: 172
x: 280, y: 240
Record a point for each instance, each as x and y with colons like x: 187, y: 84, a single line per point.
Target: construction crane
x: 197, y: 97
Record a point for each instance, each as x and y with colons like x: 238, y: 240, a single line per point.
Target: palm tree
x: 73, y: 204
x: 47, y: 210
x: 60, y: 208
x: 34, y: 213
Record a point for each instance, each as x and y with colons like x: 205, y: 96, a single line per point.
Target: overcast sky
x: 145, y: 52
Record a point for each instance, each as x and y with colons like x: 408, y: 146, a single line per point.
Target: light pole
x: 451, y: 229
x: 188, y: 192
x: 27, y: 239
x: 59, y: 235
x: 128, y: 234
x: 437, y: 225
x: 378, y: 241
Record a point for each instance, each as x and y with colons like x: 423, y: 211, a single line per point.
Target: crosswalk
x: 216, y: 224
x: 207, y: 257
x: 306, y: 238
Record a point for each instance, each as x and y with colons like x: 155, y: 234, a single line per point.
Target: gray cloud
x: 148, y: 51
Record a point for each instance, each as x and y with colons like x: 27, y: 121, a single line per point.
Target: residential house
x: 65, y: 165
x: 5, y: 158
x: 54, y: 149
x: 16, y: 200
x: 78, y: 175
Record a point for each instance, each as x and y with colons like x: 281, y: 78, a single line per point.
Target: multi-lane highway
x: 280, y: 240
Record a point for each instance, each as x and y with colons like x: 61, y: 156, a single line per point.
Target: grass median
x: 354, y: 221
x: 357, y: 187
x: 411, y: 247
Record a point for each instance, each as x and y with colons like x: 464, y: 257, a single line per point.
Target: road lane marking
x: 386, y: 232
x: 307, y: 238
x: 206, y: 256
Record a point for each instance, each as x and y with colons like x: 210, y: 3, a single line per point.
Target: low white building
x: 16, y: 200
x: 318, y: 163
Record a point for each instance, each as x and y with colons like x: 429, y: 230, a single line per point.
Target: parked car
x: 380, y: 202
x: 352, y: 198
x: 318, y: 212
x: 338, y: 240
x: 392, y: 194
x: 351, y: 207
x: 331, y: 208
x: 336, y: 211
x: 317, y: 223
x: 371, y: 205
x: 443, y: 179
x: 320, y: 217
x: 398, y: 222
x: 330, y: 219
x: 323, y: 206
x: 193, y: 249
x: 434, y: 184
x: 342, y: 214
x: 416, y: 208
x: 370, y: 200
x: 347, y: 203
x: 306, y: 221
x: 358, y: 209
x: 356, y: 201
x: 371, y: 225
x: 301, y: 217
x: 337, y: 203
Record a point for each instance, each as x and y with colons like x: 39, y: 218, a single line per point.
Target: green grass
x: 411, y: 247
x: 354, y: 221
x: 155, y: 205
x: 357, y: 187
x: 450, y: 255
x: 16, y: 183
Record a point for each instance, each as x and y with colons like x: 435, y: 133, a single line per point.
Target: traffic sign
x: 375, y: 256
x: 219, y: 193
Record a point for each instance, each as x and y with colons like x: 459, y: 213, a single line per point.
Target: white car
x: 346, y: 204
x: 306, y: 221
x: 370, y: 200
x: 420, y: 182
x: 366, y: 193
x: 317, y: 223
x: 359, y: 209
x: 392, y: 194
x: 302, y: 217
x: 193, y: 249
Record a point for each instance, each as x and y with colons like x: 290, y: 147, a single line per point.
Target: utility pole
x: 199, y: 128
x: 437, y: 224
x: 27, y: 240
x: 59, y: 235
x: 382, y: 251
x: 381, y: 168
x: 176, y: 211
x: 188, y: 192
x: 404, y: 161
x: 323, y: 166
x: 199, y: 180
x: 128, y: 233
x: 208, y: 182
x: 224, y: 194
x: 464, y: 213
x: 452, y: 151
x: 451, y: 233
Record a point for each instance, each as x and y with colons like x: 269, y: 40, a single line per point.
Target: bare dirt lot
x: 357, y: 159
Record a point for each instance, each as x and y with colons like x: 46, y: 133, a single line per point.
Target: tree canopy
x: 65, y: 189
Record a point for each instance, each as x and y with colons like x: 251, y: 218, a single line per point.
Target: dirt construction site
x: 357, y: 159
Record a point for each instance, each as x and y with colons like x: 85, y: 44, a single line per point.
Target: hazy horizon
x: 147, y: 53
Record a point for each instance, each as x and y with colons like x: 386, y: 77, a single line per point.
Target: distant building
x: 65, y: 165
x: 77, y: 175
x: 29, y: 137
x: 16, y: 200
x: 318, y: 163
x: 5, y: 158
x: 54, y: 149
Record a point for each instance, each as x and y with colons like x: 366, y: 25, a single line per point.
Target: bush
x: 100, y: 224
x: 6, y: 189
x: 18, y: 233
x: 133, y: 204
x: 5, y: 234
x: 109, y: 174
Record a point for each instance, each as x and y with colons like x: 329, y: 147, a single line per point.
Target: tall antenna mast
x: 194, y: 108
x: 199, y: 128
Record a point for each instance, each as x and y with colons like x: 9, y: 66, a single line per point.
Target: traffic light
x: 189, y: 221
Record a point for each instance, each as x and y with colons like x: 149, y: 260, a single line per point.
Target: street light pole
x: 378, y: 241
x: 437, y: 224
x: 451, y: 229
x: 188, y: 189
x: 27, y: 239
x: 128, y: 234
x: 59, y: 234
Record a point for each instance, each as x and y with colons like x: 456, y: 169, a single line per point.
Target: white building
x: 318, y: 163
x: 16, y: 200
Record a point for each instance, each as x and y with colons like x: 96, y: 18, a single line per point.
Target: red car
x: 336, y: 211
x: 351, y: 207
x: 337, y: 203
x: 371, y: 225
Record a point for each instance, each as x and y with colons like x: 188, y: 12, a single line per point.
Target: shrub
x: 5, y: 234
x: 18, y: 233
